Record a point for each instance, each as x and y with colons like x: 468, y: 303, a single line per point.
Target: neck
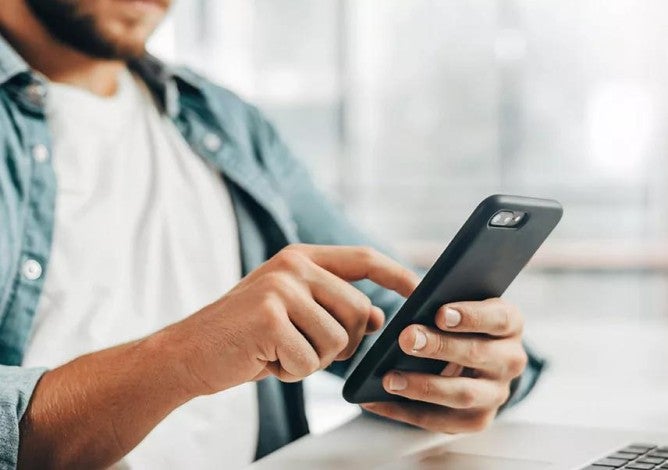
x: 57, y: 61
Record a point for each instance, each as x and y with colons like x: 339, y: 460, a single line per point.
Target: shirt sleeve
x: 16, y: 388
x: 320, y: 221
x: 522, y: 385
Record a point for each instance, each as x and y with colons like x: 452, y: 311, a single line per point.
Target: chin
x: 128, y: 41
x: 105, y: 29
x: 127, y: 24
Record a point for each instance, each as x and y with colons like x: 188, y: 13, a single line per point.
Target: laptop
x: 525, y: 446
x: 369, y: 443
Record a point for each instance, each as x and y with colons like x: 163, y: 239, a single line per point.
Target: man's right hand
x: 292, y: 316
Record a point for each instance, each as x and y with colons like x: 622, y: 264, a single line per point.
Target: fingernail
x: 420, y: 340
x: 397, y: 382
x: 452, y: 317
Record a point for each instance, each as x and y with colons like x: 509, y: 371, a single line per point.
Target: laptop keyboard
x: 634, y: 457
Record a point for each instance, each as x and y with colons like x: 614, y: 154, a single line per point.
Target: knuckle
x: 503, y: 396
x: 358, y: 324
x: 405, y: 277
x: 272, y: 314
x: 422, y: 420
x: 480, y: 422
x: 509, y: 318
x: 312, y: 364
x: 295, y: 247
x: 466, y: 397
x: 410, y: 277
x: 504, y: 321
x: 363, y: 310
x: 307, y: 364
x: 476, y: 352
x: 356, y: 314
x: 368, y: 254
x: 343, y: 356
x: 475, y: 319
x: 364, y: 303
x: 423, y: 388
x: 346, y: 353
x: 517, y: 364
x: 359, y: 301
x: 340, y: 340
x: 273, y: 323
x: 275, y: 281
x: 290, y: 259
x: 441, y: 346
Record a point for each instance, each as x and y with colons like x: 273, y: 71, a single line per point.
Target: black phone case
x: 479, y: 263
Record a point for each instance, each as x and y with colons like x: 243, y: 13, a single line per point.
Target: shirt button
x: 36, y: 93
x: 212, y: 142
x: 40, y: 153
x: 32, y: 270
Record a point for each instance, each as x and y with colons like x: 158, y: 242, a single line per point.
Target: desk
x: 363, y: 442
x: 601, y: 375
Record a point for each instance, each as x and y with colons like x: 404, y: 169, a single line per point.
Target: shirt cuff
x: 16, y: 388
x: 522, y: 385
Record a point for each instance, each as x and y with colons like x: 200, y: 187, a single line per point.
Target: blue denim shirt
x: 274, y: 199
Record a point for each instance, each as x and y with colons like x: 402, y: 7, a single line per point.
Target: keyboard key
x: 623, y: 456
x: 633, y: 450
x: 654, y: 460
x: 611, y: 463
x: 643, y: 446
x: 639, y: 466
x: 637, y: 456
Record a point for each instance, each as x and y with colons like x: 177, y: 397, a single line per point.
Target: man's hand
x: 481, y: 341
x: 292, y: 316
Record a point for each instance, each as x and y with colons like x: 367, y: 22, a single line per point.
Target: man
x: 195, y: 274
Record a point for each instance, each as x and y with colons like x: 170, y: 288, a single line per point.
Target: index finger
x: 354, y: 263
x: 492, y: 316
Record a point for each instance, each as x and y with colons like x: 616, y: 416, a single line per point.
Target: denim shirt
x: 275, y: 203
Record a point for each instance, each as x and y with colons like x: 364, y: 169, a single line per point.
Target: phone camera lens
x: 506, y: 219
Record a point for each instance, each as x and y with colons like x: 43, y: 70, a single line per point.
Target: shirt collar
x: 165, y: 81
x: 162, y: 79
x: 11, y: 63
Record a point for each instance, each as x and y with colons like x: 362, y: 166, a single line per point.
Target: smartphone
x: 488, y: 252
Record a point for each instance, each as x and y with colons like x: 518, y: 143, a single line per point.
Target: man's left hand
x: 482, y: 343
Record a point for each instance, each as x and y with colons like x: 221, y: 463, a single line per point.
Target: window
x: 409, y: 113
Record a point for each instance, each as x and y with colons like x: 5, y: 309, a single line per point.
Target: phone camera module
x: 507, y: 219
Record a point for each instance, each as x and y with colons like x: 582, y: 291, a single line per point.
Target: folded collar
x: 161, y: 78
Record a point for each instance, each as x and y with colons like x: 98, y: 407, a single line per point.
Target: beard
x: 65, y: 21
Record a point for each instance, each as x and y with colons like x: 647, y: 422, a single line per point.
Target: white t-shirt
x: 144, y: 235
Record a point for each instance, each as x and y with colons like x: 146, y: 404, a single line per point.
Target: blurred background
x: 408, y: 113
